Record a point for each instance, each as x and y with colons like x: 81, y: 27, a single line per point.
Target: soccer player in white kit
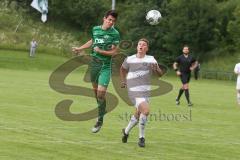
x: 237, y: 71
x: 135, y: 75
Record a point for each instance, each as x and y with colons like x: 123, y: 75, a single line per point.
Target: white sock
x: 142, y: 123
x: 133, y: 121
x: 238, y: 98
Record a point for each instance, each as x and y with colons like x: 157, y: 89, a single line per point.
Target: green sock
x: 101, y: 109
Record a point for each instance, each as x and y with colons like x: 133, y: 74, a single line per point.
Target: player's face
x: 185, y: 50
x: 142, y: 47
x: 109, y: 21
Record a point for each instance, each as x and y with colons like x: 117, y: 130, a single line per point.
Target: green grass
x: 20, y: 60
x: 222, y: 63
x: 30, y: 130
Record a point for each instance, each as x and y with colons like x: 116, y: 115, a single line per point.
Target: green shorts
x: 100, y: 72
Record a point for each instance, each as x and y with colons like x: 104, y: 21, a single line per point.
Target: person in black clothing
x: 183, y: 66
x: 196, y: 71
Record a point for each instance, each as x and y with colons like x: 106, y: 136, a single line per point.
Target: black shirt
x: 185, y: 63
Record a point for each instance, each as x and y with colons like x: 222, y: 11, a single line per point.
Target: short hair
x: 185, y: 45
x: 111, y: 13
x: 145, y: 40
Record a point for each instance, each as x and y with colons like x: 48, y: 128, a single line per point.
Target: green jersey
x: 104, y: 39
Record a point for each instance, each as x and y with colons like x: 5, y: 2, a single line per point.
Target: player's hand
x: 76, y: 50
x: 178, y: 73
x: 155, y: 68
x: 97, y: 49
x: 123, y: 85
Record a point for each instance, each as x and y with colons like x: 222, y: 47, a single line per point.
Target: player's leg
x: 186, y: 88
x: 95, y: 86
x: 181, y: 90
x: 238, y: 91
x: 187, y: 95
x: 238, y: 96
x: 101, y: 100
x: 143, y: 108
x: 185, y: 78
x: 132, y: 123
x: 95, y: 68
x: 103, y: 81
x: 31, y: 52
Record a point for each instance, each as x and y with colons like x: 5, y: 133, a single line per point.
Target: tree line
x: 211, y: 28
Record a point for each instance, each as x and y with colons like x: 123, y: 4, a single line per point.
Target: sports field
x: 30, y: 130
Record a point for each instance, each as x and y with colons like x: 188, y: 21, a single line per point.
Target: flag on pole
x: 42, y: 7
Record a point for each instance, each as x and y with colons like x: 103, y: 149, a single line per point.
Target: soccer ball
x: 153, y: 17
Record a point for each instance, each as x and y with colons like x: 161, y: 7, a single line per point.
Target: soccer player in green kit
x: 104, y: 41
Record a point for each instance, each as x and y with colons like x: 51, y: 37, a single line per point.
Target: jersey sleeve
x: 177, y: 59
x: 236, y: 70
x: 154, y: 61
x: 125, y: 64
x: 92, y: 30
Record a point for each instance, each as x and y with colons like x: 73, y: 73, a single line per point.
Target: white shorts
x: 138, y: 101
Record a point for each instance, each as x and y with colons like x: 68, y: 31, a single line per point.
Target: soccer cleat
x: 177, y: 102
x: 190, y: 104
x: 125, y: 136
x: 97, y: 127
x: 141, y: 142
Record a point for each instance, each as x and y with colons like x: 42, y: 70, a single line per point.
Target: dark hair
x: 145, y: 40
x: 185, y: 45
x: 111, y: 13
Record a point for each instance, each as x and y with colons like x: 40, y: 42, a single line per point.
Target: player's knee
x: 100, y: 96
x: 145, y: 112
x: 185, y: 86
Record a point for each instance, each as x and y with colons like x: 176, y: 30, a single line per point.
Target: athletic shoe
x: 97, y: 127
x: 177, y: 102
x: 125, y: 136
x: 141, y: 142
x: 190, y: 104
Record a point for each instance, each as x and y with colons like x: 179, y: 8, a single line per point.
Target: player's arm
x: 88, y: 44
x: 175, y: 67
x: 123, y: 74
x: 156, y: 69
x: 236, y: 69
x: 110, y: 52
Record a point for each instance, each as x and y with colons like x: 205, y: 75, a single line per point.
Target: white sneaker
x: 177, y: 102
x: 97, y: 127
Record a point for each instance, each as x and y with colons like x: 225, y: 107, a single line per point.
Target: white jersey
x: 237, y: 71
x: 33, y: 44
x: 138, y: 77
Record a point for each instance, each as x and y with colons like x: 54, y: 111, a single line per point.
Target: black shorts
x: 185, y: 77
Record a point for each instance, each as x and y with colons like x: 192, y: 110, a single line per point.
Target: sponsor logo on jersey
x: 99, y: 41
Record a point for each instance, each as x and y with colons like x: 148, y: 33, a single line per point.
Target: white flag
x: 42, y: 7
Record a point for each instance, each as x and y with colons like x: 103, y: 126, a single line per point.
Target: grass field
x: 30, y: 130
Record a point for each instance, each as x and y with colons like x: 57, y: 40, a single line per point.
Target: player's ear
x: 104, y: 18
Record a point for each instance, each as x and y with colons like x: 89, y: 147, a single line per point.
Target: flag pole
x: 113, y: 4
